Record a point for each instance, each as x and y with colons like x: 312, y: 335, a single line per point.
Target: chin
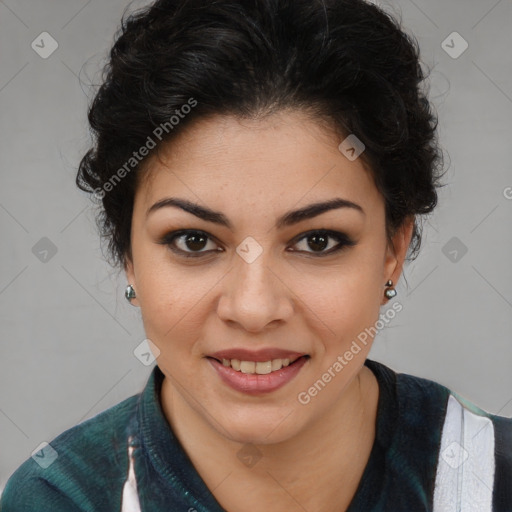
x: 259, y: 427
x: 251, y: 436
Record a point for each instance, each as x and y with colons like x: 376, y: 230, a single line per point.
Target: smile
x: 258, y: 367
x: 257, y: 377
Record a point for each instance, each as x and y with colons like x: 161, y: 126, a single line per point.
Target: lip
x: 254, y: 384
x: 265, y: 354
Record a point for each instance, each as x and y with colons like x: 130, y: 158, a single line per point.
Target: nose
x: 255, y: 295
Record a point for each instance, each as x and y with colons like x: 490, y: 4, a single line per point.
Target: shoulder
x: 444, y: 449
x: 474, y: 450
x: 416, y: 392
x: 422, y: 400
x: 414, y: 405
x: 74, y: 471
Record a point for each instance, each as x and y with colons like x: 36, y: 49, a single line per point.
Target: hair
x: 346, y: 62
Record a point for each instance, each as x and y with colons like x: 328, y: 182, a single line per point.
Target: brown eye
x: 194, y: 244
x: 195, y: 241
x: 189, y: 243
x: 318, y: 241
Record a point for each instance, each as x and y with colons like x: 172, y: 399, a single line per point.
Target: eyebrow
x: 288, y: 219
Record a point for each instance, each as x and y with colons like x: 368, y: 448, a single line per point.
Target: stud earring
x: 129, y: 293
x: 390, y: 292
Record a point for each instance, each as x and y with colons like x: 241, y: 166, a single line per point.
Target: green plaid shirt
x: 433, y: 451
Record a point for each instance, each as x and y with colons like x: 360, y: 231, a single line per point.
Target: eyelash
x: 343, y: 242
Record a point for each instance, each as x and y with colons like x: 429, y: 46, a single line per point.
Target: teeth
x: 276, y: 364
x: 260, y: 367
x: 263, y: 368
x: 247, y: 366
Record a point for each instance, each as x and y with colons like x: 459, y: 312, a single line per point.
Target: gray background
x: 68, y: 335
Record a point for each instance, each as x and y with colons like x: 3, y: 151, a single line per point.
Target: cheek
x: 164, y: 299
x: 167, y: 313
x: 166, y: 306
x: 349, y: 311
x: 172, y: 304
x: 160, y: 288
x: 349, y: 301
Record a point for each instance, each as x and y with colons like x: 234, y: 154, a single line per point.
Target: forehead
x: 284, y: 156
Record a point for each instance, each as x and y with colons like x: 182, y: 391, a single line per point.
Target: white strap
x: 130, y: 498
x: 465, y: 470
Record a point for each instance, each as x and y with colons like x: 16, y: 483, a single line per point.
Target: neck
x: 330, y: 453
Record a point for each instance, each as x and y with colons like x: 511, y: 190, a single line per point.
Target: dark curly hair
x: 346, y: 62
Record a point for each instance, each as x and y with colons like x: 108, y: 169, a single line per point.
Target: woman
x: 261, y: 168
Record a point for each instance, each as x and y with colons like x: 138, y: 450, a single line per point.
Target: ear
x: 129, y: 271
x: 397, y: 251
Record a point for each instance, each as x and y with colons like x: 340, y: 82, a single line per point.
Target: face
x: 247, y: 280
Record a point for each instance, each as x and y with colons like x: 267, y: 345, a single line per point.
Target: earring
x: 390, y: 292
x: 129, y: 293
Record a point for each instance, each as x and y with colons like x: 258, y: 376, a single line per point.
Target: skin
x: 253, y: 171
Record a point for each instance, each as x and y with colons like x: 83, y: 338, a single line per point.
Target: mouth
x: 256, y: 375
x: 259, y: 367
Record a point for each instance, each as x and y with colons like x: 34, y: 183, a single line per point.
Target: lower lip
x: 255, y: 384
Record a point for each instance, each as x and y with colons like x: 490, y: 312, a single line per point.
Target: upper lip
x: 265, y: 354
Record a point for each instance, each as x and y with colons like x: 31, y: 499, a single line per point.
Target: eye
x: 194, y: 243
x: 318, y: 240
